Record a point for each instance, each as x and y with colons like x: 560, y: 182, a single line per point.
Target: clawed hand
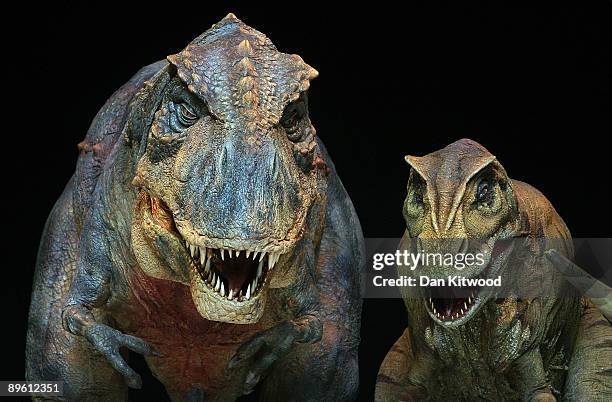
x: 108, y: 341
x: 262, y: 351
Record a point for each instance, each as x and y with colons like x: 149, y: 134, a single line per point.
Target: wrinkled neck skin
x: 107, y: 243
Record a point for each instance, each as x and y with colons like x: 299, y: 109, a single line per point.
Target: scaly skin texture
x: 552, y: 347
x: 206, y: 228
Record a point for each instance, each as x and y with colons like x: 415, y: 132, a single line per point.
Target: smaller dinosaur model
x: 476, y: 346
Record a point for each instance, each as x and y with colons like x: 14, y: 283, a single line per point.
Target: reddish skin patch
x: 195, y: 351
x: 319, y: 163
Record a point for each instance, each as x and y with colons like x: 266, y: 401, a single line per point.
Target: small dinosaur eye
x: 290, y: 121
x: 418, y: 196
x: 186, y: 115
x: 292, y: 116
x: 484, y: 192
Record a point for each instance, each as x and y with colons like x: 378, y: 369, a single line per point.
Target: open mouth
x: 237, y: 275
x: 231, y: 274
x: 453, y: 306
x: 448, y: 305
x: 228, y: 278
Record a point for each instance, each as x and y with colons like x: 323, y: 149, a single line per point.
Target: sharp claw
x: 233, y: 362
x: 134, y: 382
x: 251, y: 381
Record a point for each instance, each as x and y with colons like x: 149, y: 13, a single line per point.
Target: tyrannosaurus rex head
x: 228, y: 169
x: 460, y: 202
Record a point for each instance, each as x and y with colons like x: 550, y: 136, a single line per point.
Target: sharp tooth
x: 271, y: 260
x: 254, y: 255
x: 222, y: 254
x: 259, y: 269
x: 207, y: 266
x: 435, y: 312
x: 202, y: 258
x: 262, y: 255
x: 248, y: 292
x: 465, y: 305
x: 222, y: 289
x: 237, y: 253
x: 230, y: 252
x: 470, y: 299
x: 461, y: 311
x: 231, y: 294
x: 254, y: 284
x: 218, y: 284
x: 248, y: 253
x: 192, y: 249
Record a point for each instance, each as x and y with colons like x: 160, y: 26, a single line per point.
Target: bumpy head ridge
x: 244, y: 79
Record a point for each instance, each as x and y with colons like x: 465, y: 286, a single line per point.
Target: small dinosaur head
x: 228, y: 168
x: 460, y: 202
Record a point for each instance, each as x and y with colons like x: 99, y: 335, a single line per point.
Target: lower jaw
x: 454, y: 312
x: 212, y: 306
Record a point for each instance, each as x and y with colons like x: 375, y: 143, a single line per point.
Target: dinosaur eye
x: 484, y: 192
x: 186, y: 115
x: 418, y: 196
x: 418, y: 188
x: 415, y: 201
x: 292, y: 116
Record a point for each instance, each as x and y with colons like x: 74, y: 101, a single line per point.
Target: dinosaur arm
x: 533, y: 382
x: 90, y: 289
x: 403, y: 374
x: 306, y: 328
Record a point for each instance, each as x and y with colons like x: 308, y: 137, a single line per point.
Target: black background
x: 530, y: 84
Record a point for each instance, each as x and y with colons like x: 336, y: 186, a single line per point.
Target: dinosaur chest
x: 473, y: 382
x: 473, y: 365
x: 195, y: 351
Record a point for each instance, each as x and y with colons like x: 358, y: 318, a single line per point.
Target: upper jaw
x: 232, y: 274
x: 261, y: 245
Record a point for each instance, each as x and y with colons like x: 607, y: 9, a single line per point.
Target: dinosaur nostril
x: 275, y: 167
x: 222, y: 157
